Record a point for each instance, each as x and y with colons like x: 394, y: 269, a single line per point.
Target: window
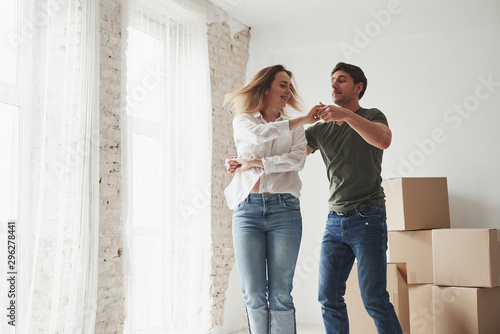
x: 168, y: 168
x: 9, y: 110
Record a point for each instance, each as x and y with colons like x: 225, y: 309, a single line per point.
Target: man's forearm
x: 376, y: 134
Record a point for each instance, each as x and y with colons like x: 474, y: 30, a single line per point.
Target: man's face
x: 343, y: 88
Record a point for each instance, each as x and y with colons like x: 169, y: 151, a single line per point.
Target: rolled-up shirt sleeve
x: 247, y: 130
x: 293, y: 161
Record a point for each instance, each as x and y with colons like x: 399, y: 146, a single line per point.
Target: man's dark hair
x: 355, y: 72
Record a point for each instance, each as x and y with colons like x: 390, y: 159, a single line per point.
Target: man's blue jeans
x: 267, y: 229
x: 361, y: 235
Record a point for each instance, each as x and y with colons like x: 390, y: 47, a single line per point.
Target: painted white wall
x: 424, y: 60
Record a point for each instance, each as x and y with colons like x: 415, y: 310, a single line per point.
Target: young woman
x: 267, y: 223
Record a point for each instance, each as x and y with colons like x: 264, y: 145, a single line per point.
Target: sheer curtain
x: 167, y: 167
x: 59, y: 167
x: 9, y: 149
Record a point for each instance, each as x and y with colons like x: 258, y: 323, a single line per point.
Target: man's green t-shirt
x: 353, y: 166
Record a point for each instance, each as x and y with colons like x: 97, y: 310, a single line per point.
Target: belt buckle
x: 353, y: 211
x: 345, y: 213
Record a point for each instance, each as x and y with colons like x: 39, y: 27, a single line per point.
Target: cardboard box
x: 421, y: 309
x: 466, y: 310
x: 417, y: 203
x: 466, y: 257
x: 414, y: 248
x: 359, y: 320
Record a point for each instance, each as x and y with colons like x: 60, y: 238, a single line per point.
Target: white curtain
x: 167, y: 163
x: 58, y: 221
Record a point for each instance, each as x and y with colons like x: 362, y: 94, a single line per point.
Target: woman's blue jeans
x: 267, y: 229
x: 361, y: 235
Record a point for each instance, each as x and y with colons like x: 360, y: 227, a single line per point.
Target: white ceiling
x: 254, y: 13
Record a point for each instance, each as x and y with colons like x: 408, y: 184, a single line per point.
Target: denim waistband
x: 266, y: 197
x: 362, y: 207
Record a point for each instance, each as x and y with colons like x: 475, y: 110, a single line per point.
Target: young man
x: 351, y: 141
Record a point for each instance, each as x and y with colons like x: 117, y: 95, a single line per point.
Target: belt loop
x: 279, y: 198
x: 247, y: 200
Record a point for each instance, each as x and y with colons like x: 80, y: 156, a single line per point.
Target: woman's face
x: 280, y: 91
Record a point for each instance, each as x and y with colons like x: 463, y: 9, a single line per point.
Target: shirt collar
x: 258, y: 114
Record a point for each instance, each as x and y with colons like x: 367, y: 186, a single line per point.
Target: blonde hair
x: 250, y: 98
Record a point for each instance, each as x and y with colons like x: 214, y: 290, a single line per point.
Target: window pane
x: 8, y: 40
x: 148, y: 277
x: 9, y: 155
x: 147, y: 180
x: 144, y: 76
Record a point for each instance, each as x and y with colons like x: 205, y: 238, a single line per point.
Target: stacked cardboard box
x: 417, y: 203
x: 466, y: 291
x: 453, y: 275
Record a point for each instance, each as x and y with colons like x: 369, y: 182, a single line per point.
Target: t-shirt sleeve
x: 311, y: 137
x: 377, y: 116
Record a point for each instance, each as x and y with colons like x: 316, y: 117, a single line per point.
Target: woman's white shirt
x: 283, y: 153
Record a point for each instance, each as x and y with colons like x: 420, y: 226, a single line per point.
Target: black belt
x: 362, y: 207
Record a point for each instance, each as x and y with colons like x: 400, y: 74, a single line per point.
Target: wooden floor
x: 301, y: 329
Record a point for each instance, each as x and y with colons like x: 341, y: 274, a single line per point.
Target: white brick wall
x: 228, y: 59
x: 111, y: 293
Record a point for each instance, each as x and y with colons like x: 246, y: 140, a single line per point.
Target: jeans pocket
x: 290, y: 202
x: 240, y: 206
x: 373, y: 211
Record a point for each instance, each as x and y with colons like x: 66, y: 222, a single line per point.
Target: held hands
x: 312, y: 115
x: 317, y: 112
x: 331, y: 113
